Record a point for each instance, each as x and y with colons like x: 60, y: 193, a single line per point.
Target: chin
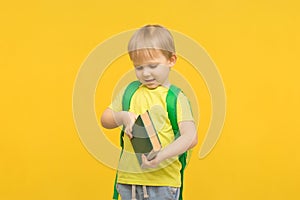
x: 152, y: 86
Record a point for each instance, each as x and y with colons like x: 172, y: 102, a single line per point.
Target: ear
x: 172, y: 60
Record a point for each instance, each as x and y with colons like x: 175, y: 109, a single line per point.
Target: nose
x: 146, y: 72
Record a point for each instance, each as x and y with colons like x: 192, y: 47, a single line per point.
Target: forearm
x: 111, y: 119
x: 179, y: 146
x: 187, y: 140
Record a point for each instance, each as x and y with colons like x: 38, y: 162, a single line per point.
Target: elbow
x: 103, y: 122
x: 107, y: 120
x: 194, y: 142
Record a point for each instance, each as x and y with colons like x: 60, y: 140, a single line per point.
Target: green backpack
x: 171, y: 101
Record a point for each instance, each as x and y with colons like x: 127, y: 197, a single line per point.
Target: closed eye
x: 139, y: 67
x: 153, y: 66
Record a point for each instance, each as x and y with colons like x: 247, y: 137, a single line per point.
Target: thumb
x: 128, y: 132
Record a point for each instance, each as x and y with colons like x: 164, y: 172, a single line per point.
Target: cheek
x: 163, y: 72
x: 138, y: 74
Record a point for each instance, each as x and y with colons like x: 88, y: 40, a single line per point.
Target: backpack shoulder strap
x: 172, y: 108
x: 126, y: 99
x: 129, y: 91
x: 172, y: 114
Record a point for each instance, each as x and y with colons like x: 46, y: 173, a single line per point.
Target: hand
x: 128, y: 119
x: 150, y: 163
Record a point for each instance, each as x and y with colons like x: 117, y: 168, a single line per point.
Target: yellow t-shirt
x: 153, y: 100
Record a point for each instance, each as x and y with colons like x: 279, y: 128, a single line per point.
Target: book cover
x: 145, y: 139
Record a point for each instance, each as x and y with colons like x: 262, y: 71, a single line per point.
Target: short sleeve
x: 184, y: 110
x: 116, y: 104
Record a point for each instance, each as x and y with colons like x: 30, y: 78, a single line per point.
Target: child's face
x: 154, y: 71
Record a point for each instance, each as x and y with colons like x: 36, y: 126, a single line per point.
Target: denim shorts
x: 153, y: 192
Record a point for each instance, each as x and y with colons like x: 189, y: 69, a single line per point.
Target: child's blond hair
x: 149, y: 38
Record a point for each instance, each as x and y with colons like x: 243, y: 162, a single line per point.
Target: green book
x: 145, y: 139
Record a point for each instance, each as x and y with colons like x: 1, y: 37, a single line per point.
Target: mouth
x: 149, y: 81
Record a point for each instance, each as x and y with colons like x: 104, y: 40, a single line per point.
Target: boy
x: 152, y: 52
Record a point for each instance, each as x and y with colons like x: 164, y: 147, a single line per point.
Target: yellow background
x: 255, y: 45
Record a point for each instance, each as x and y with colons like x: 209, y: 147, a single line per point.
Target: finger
x: 144, y: 161
x: 128, y: 134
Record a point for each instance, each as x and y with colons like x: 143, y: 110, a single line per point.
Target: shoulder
x: 184, y: 109
x: 131, y: 88
x: 177, y: 92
